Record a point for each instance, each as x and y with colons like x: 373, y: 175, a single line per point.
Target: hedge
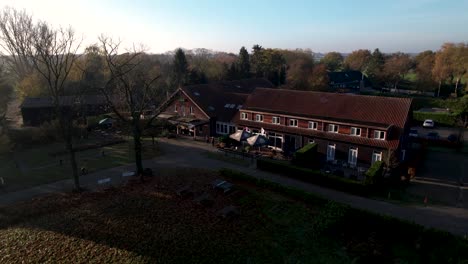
x: 374, y: 173
x: 314, y: 176
x: 306, y: 156
x: 439, y: 118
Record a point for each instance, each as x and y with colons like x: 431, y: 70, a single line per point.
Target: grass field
x: 149, y: 223
x: 32, y: 166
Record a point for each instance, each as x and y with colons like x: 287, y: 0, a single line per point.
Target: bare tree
x: 15, y: 39
x: 129, y: 89
x: 53, y: 53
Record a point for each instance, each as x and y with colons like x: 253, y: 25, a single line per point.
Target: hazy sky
x: 327, y: 25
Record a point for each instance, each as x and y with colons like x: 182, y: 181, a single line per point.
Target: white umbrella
x: 257, y: 140
x: 240, y: 135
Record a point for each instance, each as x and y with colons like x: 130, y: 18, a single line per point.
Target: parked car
x: 428, y: 123
x: 413, y: 133
x: 452, y: 138
x: 433, y: 136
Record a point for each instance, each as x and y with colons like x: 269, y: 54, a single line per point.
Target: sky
x: 223, y: 25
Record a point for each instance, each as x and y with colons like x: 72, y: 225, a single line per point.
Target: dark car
x: 433, y: 136
x: 452, y: 138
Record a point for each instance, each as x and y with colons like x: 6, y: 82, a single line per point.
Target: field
x: 30, y: 166
x: 150, y: 223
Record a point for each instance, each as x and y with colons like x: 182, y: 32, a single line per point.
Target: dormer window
x: 244, y: 116
x: 313, y: 125
x: 293, y: 122
x: 175, y: 108
x: 275, y: 120
x: 355, y: 131
x: 378, y: 134
x: 259, y: 118
x: 333, y: 128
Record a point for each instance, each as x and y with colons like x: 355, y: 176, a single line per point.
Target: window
x: 239, y: 106
x: 352, y: 156
x: 355, y: 131
x: 275, y: 120
x: 223, y: 128
x: 379, y: 135
x: 259, y: 118
x: 175, y: 108
x: 331, y: 152
x: 232, y: 129
x: 376, y: 156
x: 244, y: 116
x: 333, y: 128
x: 313, y: 125
x: 183, y: 110
x: 191, y: 110
x: 293, y: 122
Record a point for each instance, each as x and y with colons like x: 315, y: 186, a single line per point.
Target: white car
x: 428, y: 123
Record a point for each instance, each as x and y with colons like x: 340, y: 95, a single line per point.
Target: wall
x: 187, y: 103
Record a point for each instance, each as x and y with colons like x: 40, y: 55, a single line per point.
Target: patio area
x: 344, y: 169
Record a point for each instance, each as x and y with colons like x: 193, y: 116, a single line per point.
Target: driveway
x: 187, y: 153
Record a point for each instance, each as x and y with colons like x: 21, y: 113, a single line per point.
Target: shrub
x: 374, y: 173
x: 439, y: 118
x: 313, y: 176
x: 306, y: 156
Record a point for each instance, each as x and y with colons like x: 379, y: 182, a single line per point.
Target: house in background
x: 207, y: 110
x: 38, y: 110
x: 354, y: 129
x: 347, y: 81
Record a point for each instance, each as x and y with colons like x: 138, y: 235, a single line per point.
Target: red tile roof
x: 371, y: 110
x: 213, y: 97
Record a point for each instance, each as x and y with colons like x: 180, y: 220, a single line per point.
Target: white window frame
x: 378, y: 133
x: 295, y: 122
x: 331, y: 149
x: 244, y: 116
x: 191, y: 110
x: 353, y: 156
x: 258, y: 118
x: 313, y: 125
x: 175, y: 108
x: 354, y: 130
x: 335, y: 127
x: 376, y: 156
x: 276, y: 120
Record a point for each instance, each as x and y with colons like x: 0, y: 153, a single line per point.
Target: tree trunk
x: 456, y: 86
x: 137, y: 146
x: 438, y: 91
x: 74, y: 165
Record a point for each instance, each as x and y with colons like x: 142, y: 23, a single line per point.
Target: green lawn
x: 34, y: 165
x: 149, y: 223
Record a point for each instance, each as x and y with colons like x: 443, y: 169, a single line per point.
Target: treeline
x: 430, y: 70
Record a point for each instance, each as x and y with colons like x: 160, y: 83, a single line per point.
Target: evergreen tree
x: 244, y: 64
x: 180, y: 68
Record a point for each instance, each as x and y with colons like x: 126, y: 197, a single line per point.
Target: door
x: 331, y: 152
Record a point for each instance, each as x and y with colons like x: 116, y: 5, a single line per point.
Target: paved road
x: 186, y: 153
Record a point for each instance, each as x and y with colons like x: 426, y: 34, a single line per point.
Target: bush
x: 306, y: 156
x: 374, y: 173
x: 439, y: 118
x: 313, y: 176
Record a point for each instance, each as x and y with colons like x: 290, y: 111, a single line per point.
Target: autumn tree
x: 270, y: 64
x: 375, y: 67
x: 129, y: 89
x: 442, y: 67
x: 318, y: 79
x: 358, y: 60
x: 333, y: 61
x: 396, y: 67
x: 424, y: 62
